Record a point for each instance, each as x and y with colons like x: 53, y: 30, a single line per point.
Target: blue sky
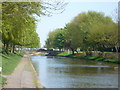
x: 46, y: 24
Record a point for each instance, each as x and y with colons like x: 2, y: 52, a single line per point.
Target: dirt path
x: 23, y: 76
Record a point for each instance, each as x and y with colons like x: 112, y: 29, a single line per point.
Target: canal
x: 60, y: 72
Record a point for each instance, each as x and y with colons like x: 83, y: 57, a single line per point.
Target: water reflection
x: 55, y: 72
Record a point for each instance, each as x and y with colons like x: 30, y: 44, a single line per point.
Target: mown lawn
x: 65, y: 53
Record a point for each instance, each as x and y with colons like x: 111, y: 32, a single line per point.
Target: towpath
x: 24, y: 76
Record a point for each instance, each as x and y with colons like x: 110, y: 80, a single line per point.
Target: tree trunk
x: 6, y: 49
x: 87, y: 52
x: 116, y: 48
x: 4, y: 45
x: 60, y: 49
x: 117, y: 56
x: 72, y: 51
x: 13, y: 48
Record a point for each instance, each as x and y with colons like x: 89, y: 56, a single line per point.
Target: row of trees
x: 19, y: 23
x: 91, y: 31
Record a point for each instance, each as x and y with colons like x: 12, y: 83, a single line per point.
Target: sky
x: 46, y: 24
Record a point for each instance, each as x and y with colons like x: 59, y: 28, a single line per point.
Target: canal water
x: 60, y: 72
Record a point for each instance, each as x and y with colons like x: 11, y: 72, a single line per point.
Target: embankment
x: 106, y: 57
x: 36, y: 80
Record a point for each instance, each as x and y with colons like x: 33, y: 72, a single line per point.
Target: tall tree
x: 18, y: 19
x: 80, y: 26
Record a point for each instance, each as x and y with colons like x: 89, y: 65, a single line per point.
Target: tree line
x: 88, y: 31
x: 19, y: 23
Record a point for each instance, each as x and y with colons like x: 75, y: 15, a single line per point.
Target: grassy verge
x: 9, y: 62
x: 112, y: 60
x: 66, y: 53
x: 96, y: 58
x: 2, y: 81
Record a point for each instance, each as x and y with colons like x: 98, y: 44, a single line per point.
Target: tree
x: 73, y: 37
x: 18, y: 20
x: 88, y: 31
x: 80, y: 26
x: 55, y: 39
x: 59, y: 39
x: 104, y: 37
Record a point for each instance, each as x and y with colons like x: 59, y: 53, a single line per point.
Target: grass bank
x: 95, y: 58
x: 9, y: 62
x: 2, y: 81
x: 36, y: 82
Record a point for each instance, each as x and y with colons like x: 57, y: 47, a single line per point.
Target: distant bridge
x: 50, y: 53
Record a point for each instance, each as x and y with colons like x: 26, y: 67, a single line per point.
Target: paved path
x: 23, y: 76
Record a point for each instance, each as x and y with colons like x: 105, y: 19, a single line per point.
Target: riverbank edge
x: 93, y: 58
x: 36, y: 80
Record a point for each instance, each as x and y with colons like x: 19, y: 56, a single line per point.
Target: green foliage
x: 104, y: 36
x: 112, y: 60
x: 95, y: 58
x: 65, y: 53
x: 89, y: 31
x: 3, y: 81
x: 56, y: 39
x: 19, y: 24
x: 74, y: 36
x: 99, y: 59
x: 9, y: 63
x: 59, y: 40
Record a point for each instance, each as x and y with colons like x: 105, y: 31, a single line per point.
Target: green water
x: 56, y: 72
